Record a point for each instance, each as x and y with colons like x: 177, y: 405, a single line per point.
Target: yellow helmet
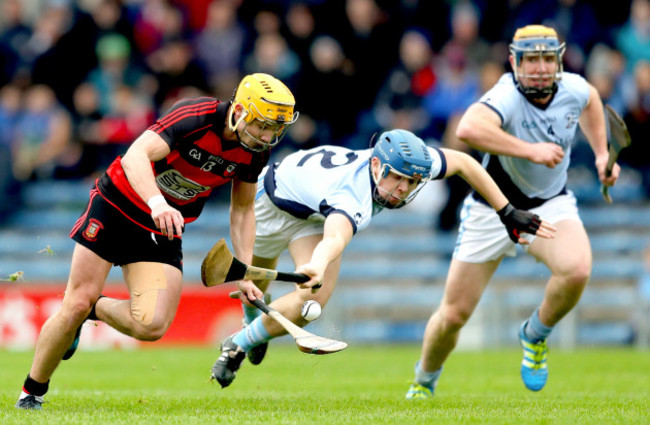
x: 266, y: 99
x: 537, y: 40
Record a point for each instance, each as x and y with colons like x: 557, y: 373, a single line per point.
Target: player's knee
x: 77, y: 309
x: 577, y: 275
x: 153, y: 332
x: 454, y: 319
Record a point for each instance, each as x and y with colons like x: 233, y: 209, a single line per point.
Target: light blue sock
x: 252, y: 335
x: 535, y: 330
x: 427, y: 379
x: 250, y: 313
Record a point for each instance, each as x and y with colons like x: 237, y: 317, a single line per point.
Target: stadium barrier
x: 204, y: 317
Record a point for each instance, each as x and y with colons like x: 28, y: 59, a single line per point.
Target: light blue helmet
x: 403, y: 153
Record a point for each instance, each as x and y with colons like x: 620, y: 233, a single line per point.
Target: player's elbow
x: 466, y: 130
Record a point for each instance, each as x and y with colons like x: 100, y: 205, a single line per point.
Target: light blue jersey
x: 311, y: 184
x: 557, y: 123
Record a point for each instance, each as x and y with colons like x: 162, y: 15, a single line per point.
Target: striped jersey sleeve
x: 185, y: 117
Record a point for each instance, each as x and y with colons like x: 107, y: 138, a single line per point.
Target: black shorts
x: 117, y: 239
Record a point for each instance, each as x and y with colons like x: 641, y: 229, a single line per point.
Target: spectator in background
x: 465, y: 21
x: 175, y: 68
x: 10, y: 102
x: 300, y: 29
x: 14, y: 37
x: 457, y: 88
x: 77, y: 33
x: 457, y: 70
x: 399, y: 102
x: 432, y: 16
x: 634, y: 37
x: 42, y: 140
x: 272, y: 55
x: 367, y: 36
x: 261, y: 18
x: 115, y: 70
x: 196, y: 12
x: 524, y: 12
x: 576, y: 22
x: 605, y: 70
x: 155, y: 21
x: 86, y: 118
x: 219, y: 46
x: 322, y: 101
x: 43, y: 50
x: 267, y: 19
x: 637, y: 118
x: 128, y: 117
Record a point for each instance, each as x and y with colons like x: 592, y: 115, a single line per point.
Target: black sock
x: 35, y: 388
x: 93, y: 313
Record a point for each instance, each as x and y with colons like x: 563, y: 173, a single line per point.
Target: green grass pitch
x: 362, y: 385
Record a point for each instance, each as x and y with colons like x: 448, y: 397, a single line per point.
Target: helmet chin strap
x: 234, y: 127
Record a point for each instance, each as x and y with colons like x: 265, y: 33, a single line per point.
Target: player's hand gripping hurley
x: 307, y: 342
x: 220, y: 266
x: 619, y: 138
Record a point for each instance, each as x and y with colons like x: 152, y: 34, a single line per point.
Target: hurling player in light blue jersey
x: 526, y: 124
x: 314, y: 201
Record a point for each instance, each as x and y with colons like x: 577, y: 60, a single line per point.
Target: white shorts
x: 276, y: 229
x: 482, y: 237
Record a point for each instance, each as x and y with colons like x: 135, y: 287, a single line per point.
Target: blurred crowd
x: 80, y: 79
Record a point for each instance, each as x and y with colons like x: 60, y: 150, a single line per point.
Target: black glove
x: 517, y: 221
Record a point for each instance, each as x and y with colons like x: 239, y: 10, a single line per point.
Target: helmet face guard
x: 538, y: 41
x: 267, y: 107
x: 405, y: 155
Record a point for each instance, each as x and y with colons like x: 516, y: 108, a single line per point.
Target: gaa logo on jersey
x: 93, y: 228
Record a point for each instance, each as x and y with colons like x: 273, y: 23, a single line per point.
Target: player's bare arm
x: 592, y: 124
x: 471, y: 171
x: 480, y: 128
x: 137, y: 168
x: 242, y: 230
x: 337, y: 234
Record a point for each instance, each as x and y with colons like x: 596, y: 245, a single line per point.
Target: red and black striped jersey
x: 199, y: 161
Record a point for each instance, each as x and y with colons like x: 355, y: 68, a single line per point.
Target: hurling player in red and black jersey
x: 139, y: 206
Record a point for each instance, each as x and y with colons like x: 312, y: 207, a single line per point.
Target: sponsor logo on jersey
x: 529, y: 125
x: 178, y: 186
